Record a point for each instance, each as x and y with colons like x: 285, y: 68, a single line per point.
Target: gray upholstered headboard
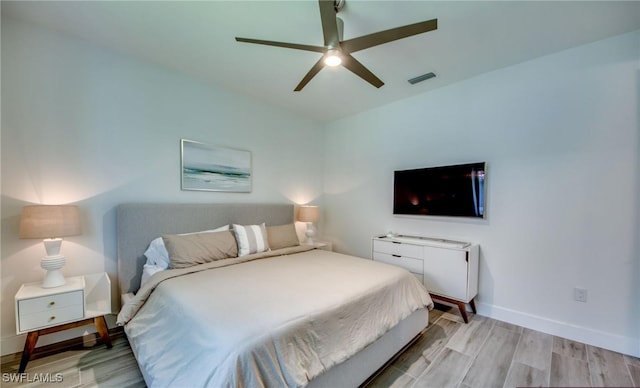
x: 139, y: 223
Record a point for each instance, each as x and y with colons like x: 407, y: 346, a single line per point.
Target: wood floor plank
x: 491, y: 366
x: 437, y: 312
x: 569, y: 372
x: 534, y: 350
x: 417, y: 358
x: 74, y: 360
x: 471, y: 336
x: 447, y: 370
x: 569, y: 348
x: 608, y: 369
x: 392, y: 377
x: 67, y: 358
x: 521, y: 375
x: 509, y: 326
x: 126, y: 375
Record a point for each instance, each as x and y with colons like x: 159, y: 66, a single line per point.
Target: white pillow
x: 148, y: 270
x: 251, y: 239
x: 157, y: 254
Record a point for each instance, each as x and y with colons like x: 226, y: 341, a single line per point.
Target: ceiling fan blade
x: 329, y: 24
x: 358, y: 69
x: 314, y: 70
x: 296, y: 46
x: 378, y: 38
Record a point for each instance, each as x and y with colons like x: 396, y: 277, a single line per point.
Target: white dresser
x: 449, y: 269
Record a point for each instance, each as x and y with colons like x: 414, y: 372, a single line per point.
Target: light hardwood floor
x: 482, y: 353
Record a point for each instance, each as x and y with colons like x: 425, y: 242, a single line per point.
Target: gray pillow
x: 193, y: 249
x: 282, y: 236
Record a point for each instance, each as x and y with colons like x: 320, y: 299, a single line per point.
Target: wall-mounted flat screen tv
x: 454, y: 191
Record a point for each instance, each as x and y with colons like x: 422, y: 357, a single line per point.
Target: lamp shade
x: 309, y: 214
x: 49, y: 221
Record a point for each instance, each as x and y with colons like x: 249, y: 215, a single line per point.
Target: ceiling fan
x: 337, y: 51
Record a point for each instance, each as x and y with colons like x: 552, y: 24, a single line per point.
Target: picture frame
x: 206, y: 167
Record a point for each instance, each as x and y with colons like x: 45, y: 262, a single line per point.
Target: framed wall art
x: 210, y: 168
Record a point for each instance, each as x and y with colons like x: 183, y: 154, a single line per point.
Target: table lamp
x: 309, y: 214
x: 50, y: 222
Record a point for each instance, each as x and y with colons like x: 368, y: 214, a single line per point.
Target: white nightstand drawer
x: 412, y: 265
x: 53, y: 317
x: 401, y: 249
x: 50, y: 302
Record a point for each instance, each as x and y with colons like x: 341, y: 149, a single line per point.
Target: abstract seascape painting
x: 210, y: 168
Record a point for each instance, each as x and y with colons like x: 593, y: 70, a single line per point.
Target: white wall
x: 560, y: 136
x: 86, y: 125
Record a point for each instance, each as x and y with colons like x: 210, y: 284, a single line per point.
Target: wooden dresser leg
x: 103, y: 331
x: 29, y: 345
x: 473, y: 306
x: 463, y: 311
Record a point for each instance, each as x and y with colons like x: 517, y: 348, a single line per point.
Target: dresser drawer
x: 394, y: 248
x: 408, y: 263
x: 50, y: 302
x: 52, y: 317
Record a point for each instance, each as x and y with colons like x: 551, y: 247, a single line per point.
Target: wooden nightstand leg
x: 473, y: 306
x: 29, y: 345
x: 103, y: 331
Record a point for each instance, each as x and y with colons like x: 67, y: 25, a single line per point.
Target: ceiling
x: 197, y: 38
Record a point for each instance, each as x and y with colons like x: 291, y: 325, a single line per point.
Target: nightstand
x: 83, y: 300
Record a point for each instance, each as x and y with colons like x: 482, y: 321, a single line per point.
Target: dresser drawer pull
x: 396, y: 242
x: 398, y: 256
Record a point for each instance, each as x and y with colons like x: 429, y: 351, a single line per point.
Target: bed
x: 287, y: 316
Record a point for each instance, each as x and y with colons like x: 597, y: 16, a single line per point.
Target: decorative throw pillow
x: 282, y: 236
x: 157, y: 254
x: 189, y: 250
x: 251, y: 239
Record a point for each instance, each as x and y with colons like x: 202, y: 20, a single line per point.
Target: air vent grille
x: 421, y: 78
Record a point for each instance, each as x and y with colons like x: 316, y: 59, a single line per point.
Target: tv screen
x: 455, y: 191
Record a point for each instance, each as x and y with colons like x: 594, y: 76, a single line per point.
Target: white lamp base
x: 52, y: 246
x: 310, y: 233
x: 53, y: 264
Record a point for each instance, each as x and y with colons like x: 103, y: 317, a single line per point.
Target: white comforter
x: 276, y: 321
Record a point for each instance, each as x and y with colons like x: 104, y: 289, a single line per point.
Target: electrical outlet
x: 580, y: 294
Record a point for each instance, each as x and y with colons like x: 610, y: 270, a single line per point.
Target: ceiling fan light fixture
x: 332, y: 58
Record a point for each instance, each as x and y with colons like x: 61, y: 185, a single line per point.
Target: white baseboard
x: 12, y: 344
x: 616, y: 343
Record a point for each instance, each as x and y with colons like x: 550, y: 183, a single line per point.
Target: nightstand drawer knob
x: 52, y: 303
x: 53, y: 318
